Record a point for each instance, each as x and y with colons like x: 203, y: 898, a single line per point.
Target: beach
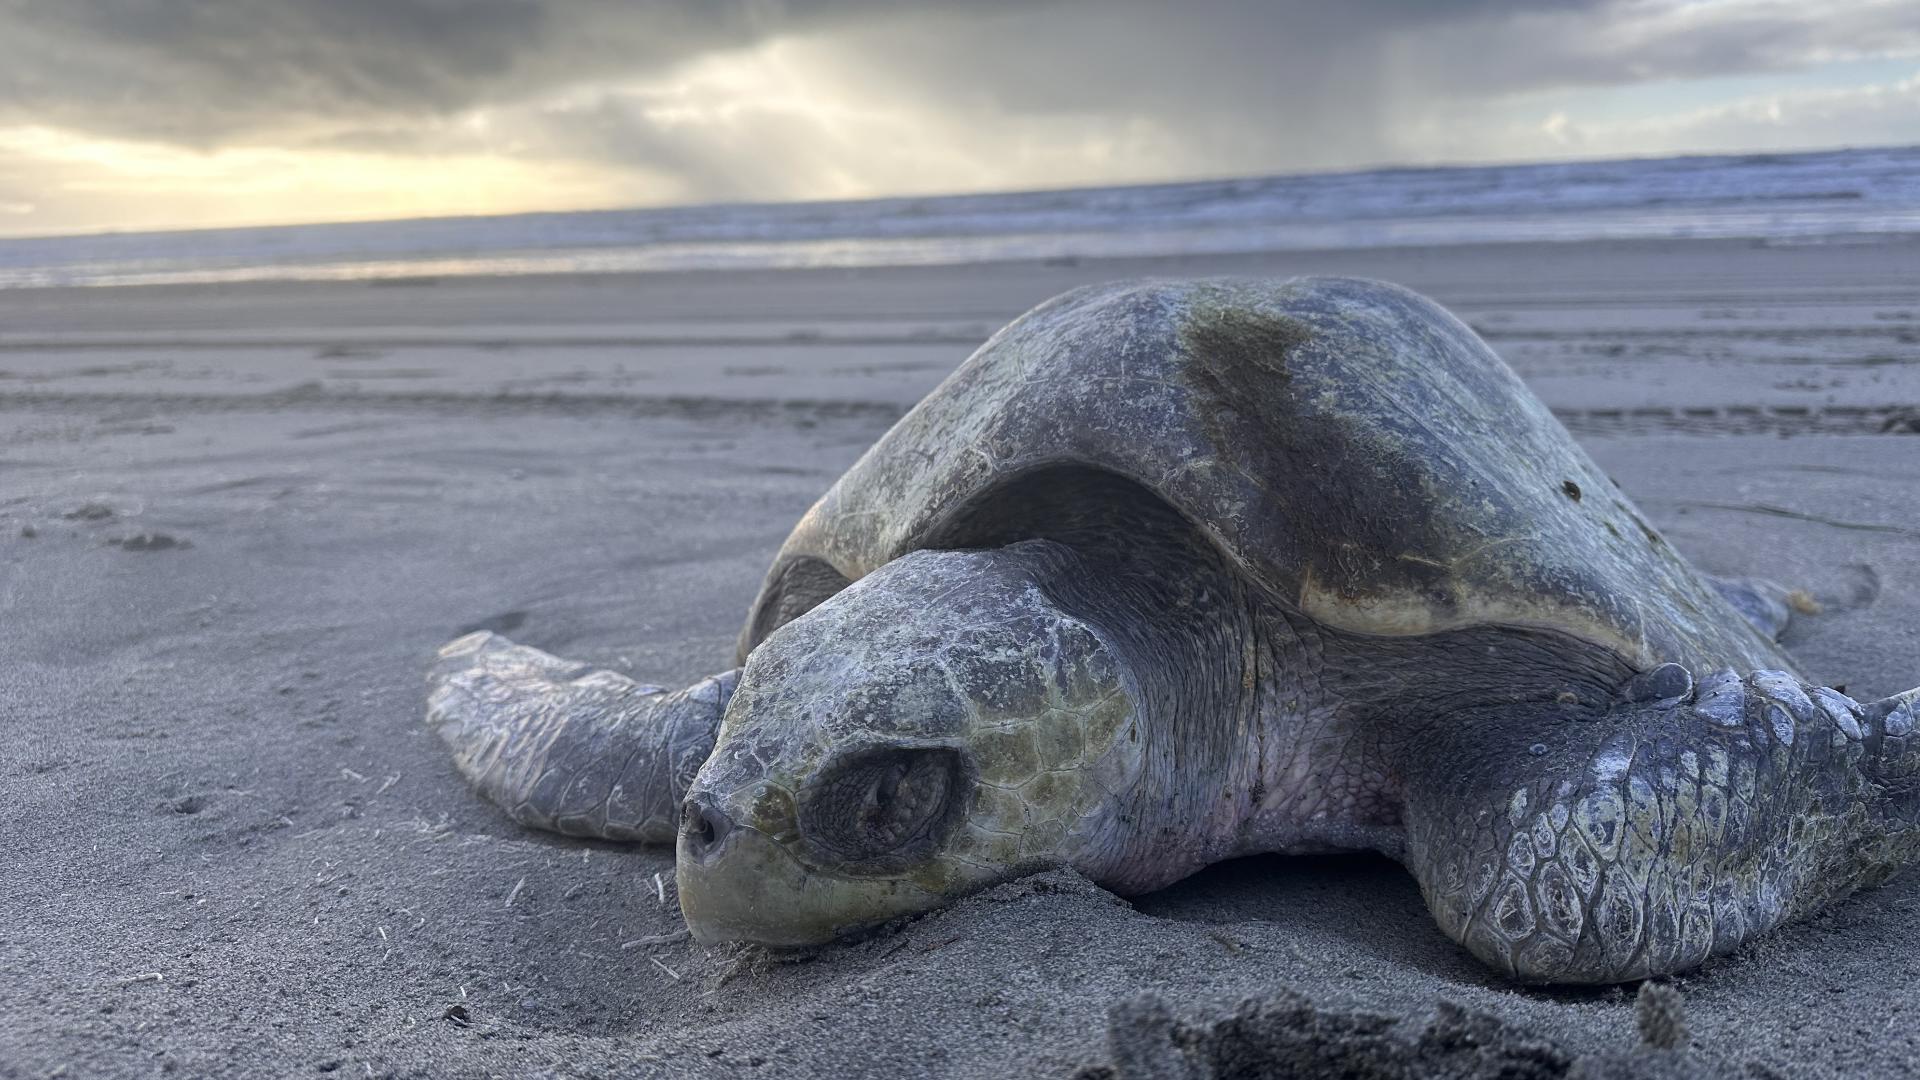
x: 237, y: 519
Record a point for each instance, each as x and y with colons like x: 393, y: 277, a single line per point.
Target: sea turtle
x: 1173, y: 572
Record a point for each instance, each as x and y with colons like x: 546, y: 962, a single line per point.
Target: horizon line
x: 634, y: 208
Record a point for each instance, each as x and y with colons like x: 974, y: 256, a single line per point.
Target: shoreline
x: 1857, y: 191
x: 1227, y: 263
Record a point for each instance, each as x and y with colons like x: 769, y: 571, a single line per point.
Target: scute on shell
x: 1356, y: 451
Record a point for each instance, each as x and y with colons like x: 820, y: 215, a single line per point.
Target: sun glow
x: 750, y: 124
x: 140, y: 185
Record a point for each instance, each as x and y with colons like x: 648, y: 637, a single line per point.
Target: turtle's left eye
x: 887, y: 805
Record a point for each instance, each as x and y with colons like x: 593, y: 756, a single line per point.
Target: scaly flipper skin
x: 1759, y: 601
x: 1672, y: 824
x: 566, y: 748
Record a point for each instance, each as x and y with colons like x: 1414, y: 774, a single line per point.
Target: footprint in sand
x: 505, y: 622
x: 90, y: 511
x: 149, y: 542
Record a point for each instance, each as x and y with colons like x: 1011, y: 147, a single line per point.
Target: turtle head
x: 936, y: 727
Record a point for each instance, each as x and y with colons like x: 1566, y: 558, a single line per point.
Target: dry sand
x: 236, y: 521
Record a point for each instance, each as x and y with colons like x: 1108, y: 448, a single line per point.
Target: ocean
x: 1833, y: 196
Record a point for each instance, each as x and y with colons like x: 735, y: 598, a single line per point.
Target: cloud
x: 1116, y: 92
x: 965, y: 97
x: 1662, y: 40
x: 204, y: 72
x: 1871, y: 115
x: 213, y: 72
x: 524, y: 104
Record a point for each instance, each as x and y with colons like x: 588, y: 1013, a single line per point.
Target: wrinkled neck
x: 1264, y: 732
x: 1180, y: 624
x: 1181, y: 628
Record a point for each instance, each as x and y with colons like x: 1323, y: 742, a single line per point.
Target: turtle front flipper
x: 564, y: 747
x: 1617, y: 840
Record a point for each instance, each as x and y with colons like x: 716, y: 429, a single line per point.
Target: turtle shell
x: 1358, y: 453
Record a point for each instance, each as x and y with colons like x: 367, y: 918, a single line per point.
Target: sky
x: 165, y: 114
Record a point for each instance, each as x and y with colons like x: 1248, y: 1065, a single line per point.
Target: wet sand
x: 235, y: 521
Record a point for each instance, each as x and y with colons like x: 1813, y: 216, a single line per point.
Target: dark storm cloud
x: 1221, y: 86
x: 1243, y: 83
x: 1091, y: 53
x: 205, y: 70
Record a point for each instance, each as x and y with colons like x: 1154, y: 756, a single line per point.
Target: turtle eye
x: 887, y: 805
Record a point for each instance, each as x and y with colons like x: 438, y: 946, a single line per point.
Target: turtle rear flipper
x: 1766, y: 604
x: 565, y: 747
x: 1642, y: 836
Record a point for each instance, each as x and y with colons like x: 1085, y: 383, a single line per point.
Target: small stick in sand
x: 151, y: 976
x: 387, y: 783
x: 665, y: 968
x: 515, y: 894
x: 660, y: 888
x: 658, y: 939
x: 353, y: 776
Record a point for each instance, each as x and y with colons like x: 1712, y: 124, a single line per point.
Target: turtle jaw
x: 749, y: 887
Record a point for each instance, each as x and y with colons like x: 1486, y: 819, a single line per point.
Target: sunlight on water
x: 1802, y: 198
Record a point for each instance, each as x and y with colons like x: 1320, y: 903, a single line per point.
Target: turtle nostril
x: 702, y: 827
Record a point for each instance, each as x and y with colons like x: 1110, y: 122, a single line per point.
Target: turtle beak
x: 737, y: 883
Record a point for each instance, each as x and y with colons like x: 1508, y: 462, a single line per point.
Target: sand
x: 235, y: 522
